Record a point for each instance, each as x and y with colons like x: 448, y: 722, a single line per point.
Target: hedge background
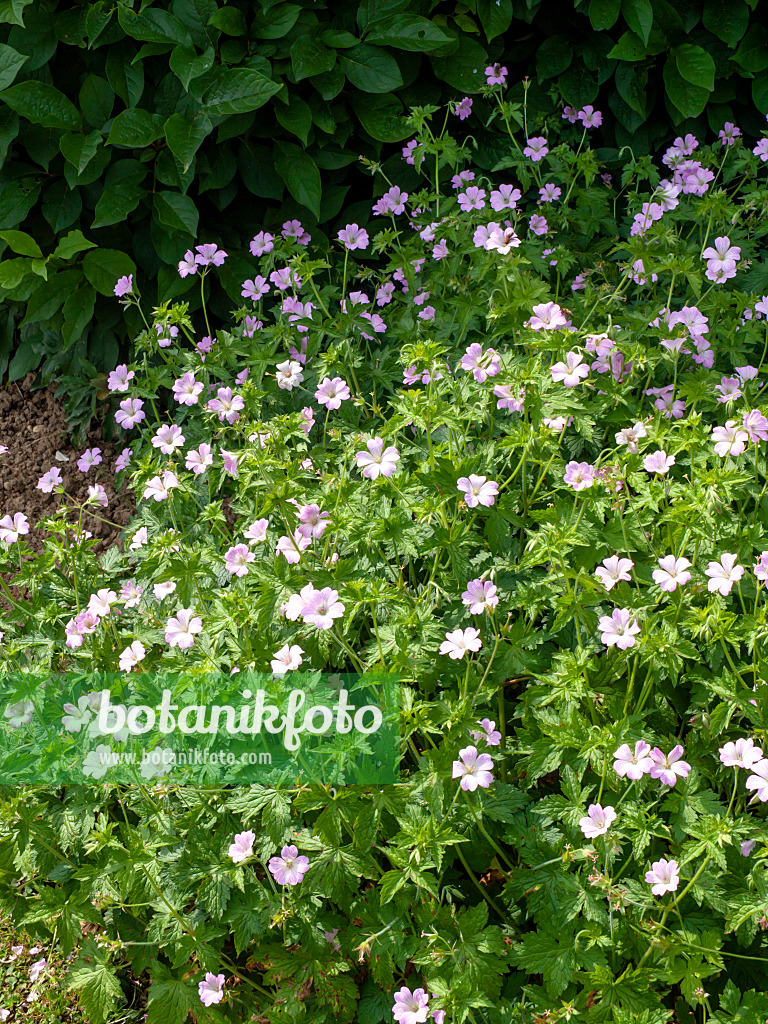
x: 128, y: 131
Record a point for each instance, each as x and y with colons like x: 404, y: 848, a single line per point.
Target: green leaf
x: 13, y: 272
x: 542, y: 953
x: 184, y: 137
x: 79, y: 149
x: 629, y: 47
x: 275, y: 22
x: 51, y: 295
x: 71, y: 244
x: 21, y: 243
x: 115, y: 203
x: 10, y: 63
x: 726, y: 19
x: 25, y: 359
x: 170, y: 998
x: 126, y: 79
x: 43, y: 104
x: 296, y: 117
x: 300, y: 174
x: 229, y: 20
x: 604, y: 14
x: 12, y: 11
x: 153, y: 25
x: 695, y: 66
x: 638, y: 14
x: 237, y: 92
x: 96, y: 100
x: 752, y: 55
x: 135, y: 128
x: 176, y: 211
x: 689, y: 99
x: 382, y: 117
x: 760, y: 92
x: 463, y: 69
x: 495, y: 16
x: 410, y: 32
x: 100, y: 991
x: 371, y: 69
x: 553, y: 57
x: 310, y: 57
x: 102, y: 267
x: 187, y: 64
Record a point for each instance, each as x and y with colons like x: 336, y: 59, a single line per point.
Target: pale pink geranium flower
x: 488, y: 732
x: 288, y: 375
x: 723, y: 574
x: 579, y: 475
x: 353, y: 237
x: 730, y: 439
x: 124, y: 286
x: 536, y: 148
x: 722, y: 259
x: 410, y: 1007
x: 507, y: 398
x: 547, y: 316
x: 761, y: 149
x: 496, y: 74
x: 122, y: 460
x: 473, y: 769
x: 287, y: 659
x: 227, y: 405
x: 758, y: 781
x: 477, y: 490
x: 131, y: 656
x: 168, y: 439
x: 37, y: 968
x: 211, y: 990
x: 481, y: 364
x: 130, y: 594
x: 97, y: 496
x: 257, y: 531
x: 119, y: 379
x: 181, y: 628
x: 629, y: 436
x: 616, y: 630
x: 237, y: 558
x: 242, y: 847
x: 458, y: 642
x: 473, y: 198
x: 254, y: 288
x: 463, y: 108
x: 291, y: 547
x: 199, y: 459
x: 613, y: 570
x: 668, y: 767
x: 480, y: 596
x: 571, y: 372
x: 760, y: 568
x: 331, y: 393
x: 740, y: 754
x: 502, y: 240
x: 539, y: 226
x: 663, y: 877
x: 100, y: 603
x: 289, y: 868
x: 11, y: 528
x: 590, y: 117
x: 672, y: 573
x: 49, y: 480
x: 377, y: 461
x: 187, y: 266
x: 130, y: 413
x: 312, y: 522
x: 322, y: 607
x: 90, y: 457
x: 658, y: 462
x: 599, y: 819
x: 633, y: 763
x: 756, y: 425
x: 209, y: 254
x: 187, y: 390
x: 505, y: 197
x: 158, y: 488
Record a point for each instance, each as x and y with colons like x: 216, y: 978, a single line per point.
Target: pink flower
x: 672, y: 573
x: 547, y: 315
x: 257, y: 531
x: 331, y: 393
x: 261, y: 243
x: 489, y: 733
x: 199, y: 459
x: 472, y: 199
x: 482, y: 364
x: 613, y: 570
x: 667, y: 767
x: 287, y: 659
x: 123, y: 459
x: 502, y: 241
x: 480, y: 596
x: 616, y: 630
x: 722, y: 258
x: 761, y: 149
x: 579, y: 475
x: 158, y: 488
x: 756, y: 425
x: 187, y: 390
x: 730, y: 439
x: 663, y: 877
x: 599, y: 819
x: 119, y: 378
x: 536, y: 148
x: 99, y: 604
x: 759, y: 779
x: 457, y: 643
x: 212, y: 989
x: 723, y: 574
x: 288, y: 375
x: 478, y: 490
x: 590, y: 117
x: 322, y: 607
x: 293, y: 229
x: 130, y: 413
x: 124, y: 286
x: 463, y: 108
x: 630, y: 436
x: 180, y: 629
x: 570, y: 114
x: 729, y: 133
x: 538, y: 224
x: 313, y: 522
x: 410, y: 1007
x: 740, y: 754
x: 353, y: 237
x: 254, y: 288
x: 168, y: 439
x: 131, y: 656
x: 209, y: 255
x: 242, y: 847
x: 289, y: 868
x: 49, y: 480
x: 729, y: 389
x: 496, y: 74
x: 473, y: 769
x: 633, y: 763
x: 507, y: 399
x: 505, y: 197
x: 237, y: 558
x: 658, y: 462
x: 13, y: 528
x: 571, y: 372
x: 377, y: 461
x: 98, y: 496
x: 291, y: 547
x: 760, y: 569
x: 227, y: 405
x: 188, y: 265
x: 550, y: 193
x: 130, y: 594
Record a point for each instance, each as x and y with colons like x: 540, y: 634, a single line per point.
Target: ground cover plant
x: 510, y: 445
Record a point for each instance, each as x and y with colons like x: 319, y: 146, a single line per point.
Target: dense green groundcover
x: 514, y: 452
x: 145, y: 124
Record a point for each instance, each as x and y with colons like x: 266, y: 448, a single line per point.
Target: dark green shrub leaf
x: 238, y: 91
x: 176, y: 211
x: 310, y: 57
x: 495, y: 17
x: 411, y: 32
x: 696, y: 66
x: 12, y: 11
x: 382, y: 117
x: 15, y: 203
x: 554, y: 57
x: 24, y: 361
x: 116, y: 202
x: 96, y: 100
x: 726, y: 19
x: 77, y: 311
x: 43, y: 104
x: 638, y: 14
x: 187, y: 64
x: 604, y: 14
x: 629, y: 47
x: 10, y: 63
x: 371, y: 69
x: 80, y: 149
x: 135, y: 128
x: 229, y: 20
x: 21, y: 243
x: 464, y: 69
x: 300, y: 174
x: 126, y: 79
x: 296, y: 118
x: 185, y: 137
x: 102, y: 267
x: 51, y: 295
x: 689, y: 99
x: 71, y: 244
x: 276, y: 22
x: 760, y: 92
x: 153, y: 25
x: 752, y: 54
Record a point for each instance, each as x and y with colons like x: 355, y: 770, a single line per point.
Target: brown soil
x: 34, y: 429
